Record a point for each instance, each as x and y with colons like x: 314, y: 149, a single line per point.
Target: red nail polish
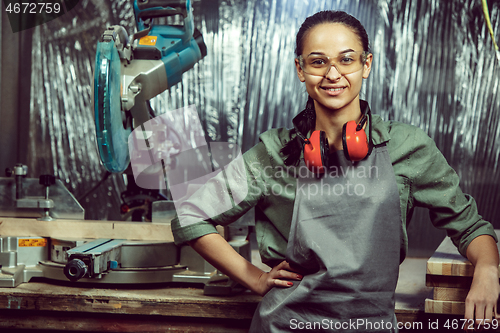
x: 299, y: 277
x: 290, y: 283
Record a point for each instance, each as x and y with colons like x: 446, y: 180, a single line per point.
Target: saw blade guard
x: 146, y: 10
x: 112, y: 136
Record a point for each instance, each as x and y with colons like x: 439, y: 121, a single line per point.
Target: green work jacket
x: 423, y: 176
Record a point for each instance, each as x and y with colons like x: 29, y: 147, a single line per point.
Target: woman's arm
x: 222, y: 256
x: 435, y: 185
x: 481, y: 302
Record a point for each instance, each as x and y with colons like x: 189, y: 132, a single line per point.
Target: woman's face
x: 333, y: 91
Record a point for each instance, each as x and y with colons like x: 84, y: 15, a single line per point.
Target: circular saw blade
x: 112, y: 137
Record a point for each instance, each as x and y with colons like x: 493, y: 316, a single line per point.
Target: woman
x: 336, y: 233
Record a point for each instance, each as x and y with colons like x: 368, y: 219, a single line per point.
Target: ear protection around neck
x: 354, y: 140
x: 355, y: 143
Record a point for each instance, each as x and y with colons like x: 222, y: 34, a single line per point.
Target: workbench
x: 182, y: 308
x: 62, y: 306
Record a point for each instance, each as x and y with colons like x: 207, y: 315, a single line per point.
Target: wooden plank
x: 97, y: 322
x: 444, y: 307
x: 448, y: 261
x: 167, y: 301
x: 92, y: 229
x: 172, y: 300
x: 85, y: 229
x: 450, y: 294
x: 165, y: 307
x: 463, y: 282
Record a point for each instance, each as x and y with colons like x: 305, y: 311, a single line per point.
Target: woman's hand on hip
x: 277, y: 277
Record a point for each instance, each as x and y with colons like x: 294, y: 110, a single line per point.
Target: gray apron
x: 345, y: 236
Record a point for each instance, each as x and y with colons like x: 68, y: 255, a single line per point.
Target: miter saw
x: 129, y: 71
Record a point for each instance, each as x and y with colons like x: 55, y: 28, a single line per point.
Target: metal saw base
x: 142, y: 262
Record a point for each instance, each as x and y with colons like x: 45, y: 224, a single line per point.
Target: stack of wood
x: 450, y: 274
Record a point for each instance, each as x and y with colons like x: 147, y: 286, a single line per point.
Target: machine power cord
x: 106, y: 176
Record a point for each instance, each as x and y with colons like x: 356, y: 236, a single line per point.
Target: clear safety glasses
x: 345, y: 63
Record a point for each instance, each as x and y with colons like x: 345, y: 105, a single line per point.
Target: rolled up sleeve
x: 221, y: 200
x: 435, y: 185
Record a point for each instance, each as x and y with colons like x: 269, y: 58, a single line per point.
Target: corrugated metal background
x: 434, y: 67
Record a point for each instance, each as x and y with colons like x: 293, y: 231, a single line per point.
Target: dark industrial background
x: 434, y: 67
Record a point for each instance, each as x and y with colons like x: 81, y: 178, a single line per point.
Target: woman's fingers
x: 282, y: 272
x: 282, y: 283
x: 488, y: 316
x: 288, y: 272
x: 287, y: 275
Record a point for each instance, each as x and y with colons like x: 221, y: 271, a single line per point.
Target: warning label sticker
x: 26, y: 242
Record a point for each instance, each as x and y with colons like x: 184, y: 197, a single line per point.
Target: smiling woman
x: 333, y: 61
x: 335, y: 240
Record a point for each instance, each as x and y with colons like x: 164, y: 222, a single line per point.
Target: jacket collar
x: 380, y: 132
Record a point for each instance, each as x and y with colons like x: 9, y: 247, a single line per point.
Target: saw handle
x: 161, y: 8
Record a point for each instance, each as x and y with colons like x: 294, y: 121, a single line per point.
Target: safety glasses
x: 346, y: 63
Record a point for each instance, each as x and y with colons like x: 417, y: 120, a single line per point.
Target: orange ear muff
x: 355, y: 141
x: 316, y: 152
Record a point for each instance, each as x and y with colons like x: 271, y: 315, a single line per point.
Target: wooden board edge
x: 450, y: 294
x: 444, y: 307
x: 86, y: 229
